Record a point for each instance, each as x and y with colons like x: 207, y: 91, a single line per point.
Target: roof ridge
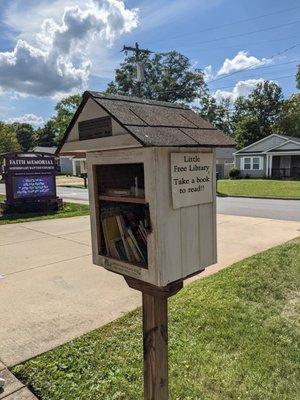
x: 290, y: 137
x: 132, y: 99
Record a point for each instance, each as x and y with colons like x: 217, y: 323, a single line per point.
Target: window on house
x: 251, y: 163
x: 247, y: 163
x: 255, y: 163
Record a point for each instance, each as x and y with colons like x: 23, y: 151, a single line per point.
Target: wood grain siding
x: 190, y: 239
x: 168, y: 220
x: 94, y: 208
x: 95, y: 128
x: 186, y: 235
x: 206, y: 235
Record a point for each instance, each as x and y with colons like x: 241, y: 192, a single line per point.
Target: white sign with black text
x: 191, y: 175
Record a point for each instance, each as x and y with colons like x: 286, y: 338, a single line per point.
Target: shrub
x: 234, y: 173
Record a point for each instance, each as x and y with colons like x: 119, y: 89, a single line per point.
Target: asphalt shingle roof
x: 156, y: 123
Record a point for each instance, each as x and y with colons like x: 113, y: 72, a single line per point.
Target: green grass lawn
x: 259, y: 188
x: 69, y: 210
x: 234, y: 335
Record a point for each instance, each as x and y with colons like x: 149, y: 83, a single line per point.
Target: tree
x: 168, y: 78
x: 247, y: 131
x: 46, y: 135
x: 25, y: 135
x: 219, y: 114
x: 289, y: 117
x: 8, y: 139
x: 65, y: 110
x: 260, y: 111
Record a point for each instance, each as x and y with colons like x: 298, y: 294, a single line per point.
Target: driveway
x: 50, y: 292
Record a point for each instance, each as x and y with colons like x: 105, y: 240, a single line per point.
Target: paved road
x: 67, y: 193
x: 288, y: 210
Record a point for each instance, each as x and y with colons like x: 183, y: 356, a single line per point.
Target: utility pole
x: 139, y: 66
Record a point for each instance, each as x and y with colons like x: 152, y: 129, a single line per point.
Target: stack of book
x: 125, y: 236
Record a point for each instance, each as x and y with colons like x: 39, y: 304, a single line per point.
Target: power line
x: 260, y: 74
x: 255, y: 44
x: 242, y: 34
x: 251, y: 67
x: 138, y: 51
x: 233, y: 86
x: 229, y: 24
x: 227, y: 87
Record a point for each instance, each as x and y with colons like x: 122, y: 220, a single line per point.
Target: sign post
x: 155, y: 336
x: 155, y: 340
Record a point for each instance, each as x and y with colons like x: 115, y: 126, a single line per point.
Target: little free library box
x: 152, y: 186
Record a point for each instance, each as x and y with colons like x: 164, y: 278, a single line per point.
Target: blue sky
x: 50, y: 49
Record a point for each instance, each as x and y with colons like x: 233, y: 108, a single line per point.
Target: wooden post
x: 155, y: 333
x: 155, y: 336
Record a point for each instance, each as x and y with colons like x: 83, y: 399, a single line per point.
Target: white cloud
x: 208, y: 73
x: 58, y: 60
x: 241, y: 61
x: 241, y: 89
x: 31, y: 119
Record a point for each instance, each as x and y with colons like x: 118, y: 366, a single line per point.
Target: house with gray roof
x: 275, y: 156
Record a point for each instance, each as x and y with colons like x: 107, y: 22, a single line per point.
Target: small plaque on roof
x: 95, y: 128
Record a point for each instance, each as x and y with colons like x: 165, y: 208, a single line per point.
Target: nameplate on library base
x: 191, y: 175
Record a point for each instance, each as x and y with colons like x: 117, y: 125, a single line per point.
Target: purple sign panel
x: 33, y: 186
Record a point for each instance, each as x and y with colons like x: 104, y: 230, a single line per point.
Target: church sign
x: 30, y: 182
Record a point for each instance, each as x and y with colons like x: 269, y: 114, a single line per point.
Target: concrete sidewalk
x: 13, y: 389
x: 50, y: 292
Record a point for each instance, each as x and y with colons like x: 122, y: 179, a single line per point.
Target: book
x: 114, y: 251
x: 105, y: 236
x: 111, y: 233
x: 132, y: 237
x: 119, y: 248
x: 143, y: 232
x: 122, y: 230
x: 134, y: 249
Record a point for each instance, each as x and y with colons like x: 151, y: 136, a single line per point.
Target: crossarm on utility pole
x: 137, y: 52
